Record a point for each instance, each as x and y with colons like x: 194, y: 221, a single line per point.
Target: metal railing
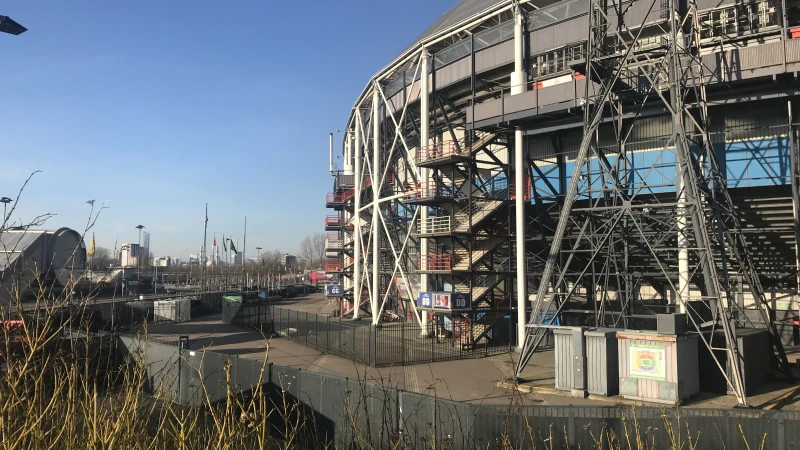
x: 332, y: 266
x: 430, y: 189
x: 334, y: 244
x: 435, y: 225
x: 393, y: 343
x: 333, y: 221
x: 441, y: 150
x: 435, y: 262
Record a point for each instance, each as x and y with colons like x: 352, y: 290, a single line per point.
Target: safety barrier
x: 435, y: 262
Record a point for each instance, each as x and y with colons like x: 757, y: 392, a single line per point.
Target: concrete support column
x: 376, y: 212
x: 357, y: 259
x: 424, y: 173
x: 519, y: 79
x: 519, y: 85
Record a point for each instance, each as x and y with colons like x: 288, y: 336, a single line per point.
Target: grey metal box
x: 569, y: 358
x: 602, y: 362
x: 673, y: 324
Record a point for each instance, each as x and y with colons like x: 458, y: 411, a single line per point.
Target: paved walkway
x: 470, y: 380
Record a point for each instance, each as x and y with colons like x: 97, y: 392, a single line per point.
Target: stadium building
x: 525, y: 165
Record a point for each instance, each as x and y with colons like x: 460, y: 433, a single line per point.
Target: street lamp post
x: 5, y: 201
x: 139, y: 259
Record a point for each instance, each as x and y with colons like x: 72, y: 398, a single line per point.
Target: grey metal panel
x: 637, y: 13
x: 688, y: 370
x: 564, y: 354
x: 557, y: 94
x: 540, y: 147
x: 555, y: 36
x: 453, y: 72
x: 495, y: 56
x: 602, y: 362
x: 792, y: 50
x: 520, y: 102
x: 485, y: 110
x: 758, y: 56
x: 713, y: 4
x: 542, y: 40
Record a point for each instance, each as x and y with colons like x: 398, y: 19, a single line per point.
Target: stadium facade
x: 581, y: 162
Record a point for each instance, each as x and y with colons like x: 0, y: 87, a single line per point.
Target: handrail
x: 434, y: 262
x: 428, y: 189
x: 333, y: 221
x: 434, y: 225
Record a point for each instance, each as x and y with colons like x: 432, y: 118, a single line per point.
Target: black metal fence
x: 255, y: 314
x: 108, y: 315
x: 357, y: 414
x: 394, y: 343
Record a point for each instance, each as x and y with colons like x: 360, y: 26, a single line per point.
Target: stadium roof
x: 458, y: 13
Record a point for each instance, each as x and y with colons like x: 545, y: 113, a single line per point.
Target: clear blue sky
x: 160, y: 106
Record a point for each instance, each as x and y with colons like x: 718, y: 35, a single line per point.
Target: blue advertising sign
x: 444, y: 300
x: 333, y: 289
x: 425, y: 300
x: 461, y: 301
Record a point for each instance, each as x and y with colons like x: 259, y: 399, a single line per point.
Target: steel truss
x: 619, y: 233
x: 427, y: 206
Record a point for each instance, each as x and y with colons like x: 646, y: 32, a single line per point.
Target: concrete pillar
x: 424, y: 173
x: 357, y: 259
x: 519, y: 85
x: 376, y: 212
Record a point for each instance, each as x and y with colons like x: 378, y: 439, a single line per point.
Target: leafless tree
x: 101, y: 259
x: 307, y: 251
x: 318, y: 242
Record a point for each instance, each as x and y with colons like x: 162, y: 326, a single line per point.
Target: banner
x: 425, y: 300
x: 647, y: 361
x: 333, y: 289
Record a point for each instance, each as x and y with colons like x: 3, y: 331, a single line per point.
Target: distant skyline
x: 156, y: 108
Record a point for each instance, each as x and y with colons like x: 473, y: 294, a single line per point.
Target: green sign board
x: 232, y: 298
x: 648, y: 361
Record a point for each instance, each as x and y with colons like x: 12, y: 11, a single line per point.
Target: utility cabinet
x: 602, y: 364
x: 570, y: 359
x: 658, y: 368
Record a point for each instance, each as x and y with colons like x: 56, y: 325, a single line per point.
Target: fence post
x: 571, y: 427
x: 781, y: 425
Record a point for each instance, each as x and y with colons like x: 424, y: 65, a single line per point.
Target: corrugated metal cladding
x: 453, y: 72
x: 564, y: 355
x: 741, y: 123
x: 558, y: 35
x: 711, y: 4
x: 636, y: 13
x: 495, y: 56
x: 540, y: 147
x: 602, y: 362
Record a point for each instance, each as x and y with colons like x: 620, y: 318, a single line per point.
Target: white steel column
x: 357, y: 220
x: 424, y: 175
x: 376, y: 155
x: 519, y: 84
x: 682, y: 296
